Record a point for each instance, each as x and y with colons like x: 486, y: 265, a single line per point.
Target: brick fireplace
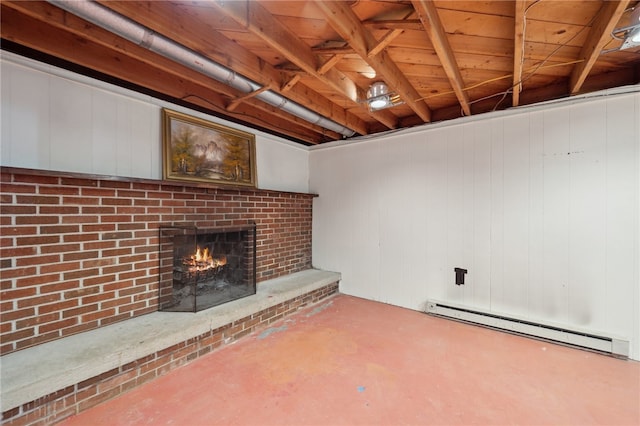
x: 201, y: 268
x: 80, y: 252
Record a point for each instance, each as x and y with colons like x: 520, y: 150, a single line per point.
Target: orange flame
x: 202, y: 260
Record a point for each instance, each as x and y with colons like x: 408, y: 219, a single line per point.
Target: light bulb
x: 378, y: 103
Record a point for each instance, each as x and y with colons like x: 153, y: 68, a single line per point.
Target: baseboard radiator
x: 601, y: 343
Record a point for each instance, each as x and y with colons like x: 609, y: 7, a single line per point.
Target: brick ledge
x: 41, y: 370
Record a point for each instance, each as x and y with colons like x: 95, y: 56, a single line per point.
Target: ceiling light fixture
x: 379, y: 97
x: 630, y: 35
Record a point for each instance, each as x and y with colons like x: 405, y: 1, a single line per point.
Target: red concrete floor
x: 350, y: 361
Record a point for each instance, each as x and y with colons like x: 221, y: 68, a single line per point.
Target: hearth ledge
x: 35, y: 372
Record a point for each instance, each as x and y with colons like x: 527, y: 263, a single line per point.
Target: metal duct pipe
x: 138, y: 34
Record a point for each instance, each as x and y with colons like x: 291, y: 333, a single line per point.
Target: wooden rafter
x: 340, y: 16
x: 430, y: 19
x: 518, y: 53
x: 599, y: 35
x: 256, y: 19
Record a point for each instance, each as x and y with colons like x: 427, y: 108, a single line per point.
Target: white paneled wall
x: 541, y: 205
x: 53, y: 119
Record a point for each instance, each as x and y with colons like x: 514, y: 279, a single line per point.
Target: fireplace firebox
x: 202, y: 268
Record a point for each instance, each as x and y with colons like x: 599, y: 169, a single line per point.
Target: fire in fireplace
x: 202, y: 268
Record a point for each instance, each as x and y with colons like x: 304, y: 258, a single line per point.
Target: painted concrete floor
x: 350, y: 361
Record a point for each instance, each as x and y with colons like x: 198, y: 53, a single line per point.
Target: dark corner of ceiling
x: 19, y: 49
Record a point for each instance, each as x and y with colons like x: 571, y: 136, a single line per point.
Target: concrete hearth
x: 39, y: 371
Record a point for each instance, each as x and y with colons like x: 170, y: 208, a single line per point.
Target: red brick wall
x: 78, y: 253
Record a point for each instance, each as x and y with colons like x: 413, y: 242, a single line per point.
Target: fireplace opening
x: 202, y: 268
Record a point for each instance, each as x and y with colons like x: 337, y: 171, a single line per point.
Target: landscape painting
x: 202, y: 151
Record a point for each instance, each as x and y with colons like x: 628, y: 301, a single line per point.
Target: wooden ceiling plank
x: 518, y: 42
x: 600, y: 34
x: 428, y: 14
x: 340, y: 16
x: 175, y: 26
x: 259, y: 21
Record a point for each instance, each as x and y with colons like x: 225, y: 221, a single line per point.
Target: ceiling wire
x: 523, y: 47
x: 502, y: 77
x: 536, y: 68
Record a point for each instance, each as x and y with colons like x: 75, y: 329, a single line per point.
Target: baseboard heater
x: 601, y: 343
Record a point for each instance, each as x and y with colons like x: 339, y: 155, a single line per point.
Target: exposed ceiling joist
x: 600, y: 34
x: 256, y: 19
x: 430, y: 19
x: 518, y: 50
x: 348, y: 25
x: 301, y: 68
x: 161, y: 19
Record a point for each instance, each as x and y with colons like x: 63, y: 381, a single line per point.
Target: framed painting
x: 201, y: 151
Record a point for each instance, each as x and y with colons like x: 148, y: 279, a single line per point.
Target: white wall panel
x: 540, y: 205
x: 437, y: 265
x: 53, y: 119
x: 557, y: 167
x: 538, y: 296
x: 622, y: 215
x: 283, y: 166
x: 480, y: 275
x: 71, y: 126
x: 469, y: 211
x: 25, y: 117
x: 497, y: 216
x: 515, y: 219
x: 455, y: 211
x: 145, y: 148
x: 360, y: 218
x: 123, y: 139
x: 104, y: 132
x: 399, y: 248
x: 587, y: 209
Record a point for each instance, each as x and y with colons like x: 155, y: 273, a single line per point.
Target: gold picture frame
x: 198, y: 150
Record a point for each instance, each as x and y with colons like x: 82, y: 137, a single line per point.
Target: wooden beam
x: 237, y: 101
x: 290, y: 83
x: 257, y: 20
x: 394, y: 24
x: 388, y: 38
x: 329, y: 63
x: 428, y: 14
x: 600, y: 34
x: 167, y: 19
x: 340, y: 16
x: 518, y: 52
